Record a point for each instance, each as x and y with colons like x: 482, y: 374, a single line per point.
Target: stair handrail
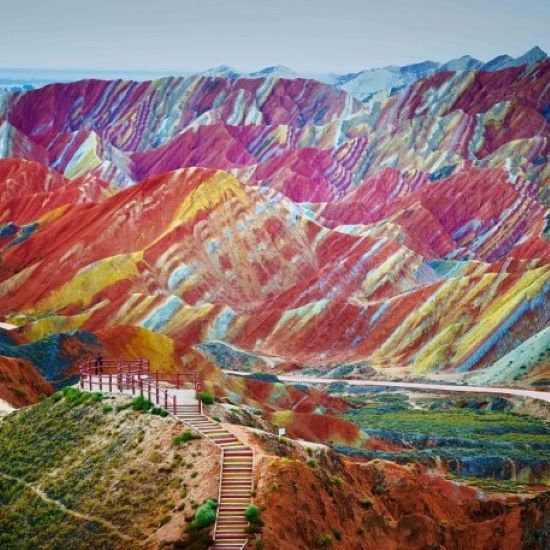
x: 222, y: 460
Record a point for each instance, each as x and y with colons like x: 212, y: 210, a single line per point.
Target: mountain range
x: 360, y: 84
x: 285, y: 223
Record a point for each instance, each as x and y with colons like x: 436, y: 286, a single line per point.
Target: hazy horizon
x: 308, y: 36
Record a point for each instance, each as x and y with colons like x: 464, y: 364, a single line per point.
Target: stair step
x: 233, y: 523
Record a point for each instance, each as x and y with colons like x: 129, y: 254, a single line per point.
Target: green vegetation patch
x: 71, y: 470
x: 478, y: 437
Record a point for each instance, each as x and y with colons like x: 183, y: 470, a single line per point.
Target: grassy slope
x: 75, y: 476
x: 462, y: 430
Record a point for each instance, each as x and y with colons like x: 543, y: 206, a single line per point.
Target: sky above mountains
x: 308, y: 35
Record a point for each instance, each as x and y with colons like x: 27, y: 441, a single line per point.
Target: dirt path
x: 532, y: 394
x: 41, y: 494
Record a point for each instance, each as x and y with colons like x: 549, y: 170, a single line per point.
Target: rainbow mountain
x: 286, y: 223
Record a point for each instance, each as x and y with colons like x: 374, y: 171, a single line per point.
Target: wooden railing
x: 136, y: 376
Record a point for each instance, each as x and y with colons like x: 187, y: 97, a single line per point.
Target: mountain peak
x: 534, y: 54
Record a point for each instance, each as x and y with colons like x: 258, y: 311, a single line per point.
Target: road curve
x: 517, y: 392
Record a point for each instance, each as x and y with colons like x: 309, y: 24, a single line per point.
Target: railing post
x: 110, y: 383
x: 157, y: 392
x: 82, y: 380
x: 166, y: 399
x: 177, y: 380
x: 100, y: 382
x: 90, y: 380
x: 174, y: 403
x: 133, y: 386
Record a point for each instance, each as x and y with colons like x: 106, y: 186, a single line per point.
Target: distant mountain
x: 365, y: 83
x: 505, y: 61
x: 361, y: 85
x: 277, y: 71
x: 392, y: 78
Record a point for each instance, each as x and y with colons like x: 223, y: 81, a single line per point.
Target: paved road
x: 540, y: 395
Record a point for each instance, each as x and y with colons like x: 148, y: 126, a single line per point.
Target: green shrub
x: 252, y: 514
x: 106, y: 409
x: 123, y: 406
x: 367, y: 503
x: 159, y: 412
x: 141, y: 404
x: 57, y: 396
x: 206, y: 398
x: 96, y: 397
x: 73, y: 396
x: 259, y: 544
x: 337, y: 534
x: 183, y: 437
x: 311, y: 463
x: 337, y: 480
x: 206, y: 514
x: 323, y: 540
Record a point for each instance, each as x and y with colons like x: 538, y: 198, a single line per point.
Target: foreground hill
x: 92, y: 476
x: 95, y: 473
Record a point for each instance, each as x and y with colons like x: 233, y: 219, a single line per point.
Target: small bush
x: 106, y: 409
x: 73, y: 396
x: 337, y: 534
x: 337, y: 480
x: 206, y: 514
x: 323, y: 540
x: 183, y: 437
x: 252, y: 514
x: 259, y: 544
x: 57, y: 396
x: 96, y: 397
x: 311, y: 463
x: 159, y: 412
x: 367, y: 503
x: 206, y: 398
x: 141, y: 404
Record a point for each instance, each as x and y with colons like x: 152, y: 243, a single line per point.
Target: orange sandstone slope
x: 20, y: 382
x: 309, y: 494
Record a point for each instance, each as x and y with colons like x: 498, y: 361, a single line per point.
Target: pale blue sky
x: 307, y: 35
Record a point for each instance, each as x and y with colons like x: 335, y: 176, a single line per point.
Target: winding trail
x: 41, y: 494
x: 517, y: 392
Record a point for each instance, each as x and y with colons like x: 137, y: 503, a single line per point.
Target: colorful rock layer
x: 284, y: 223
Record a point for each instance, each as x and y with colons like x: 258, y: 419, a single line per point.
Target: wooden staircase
x: 237, y: 459
x: 236, y: 480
